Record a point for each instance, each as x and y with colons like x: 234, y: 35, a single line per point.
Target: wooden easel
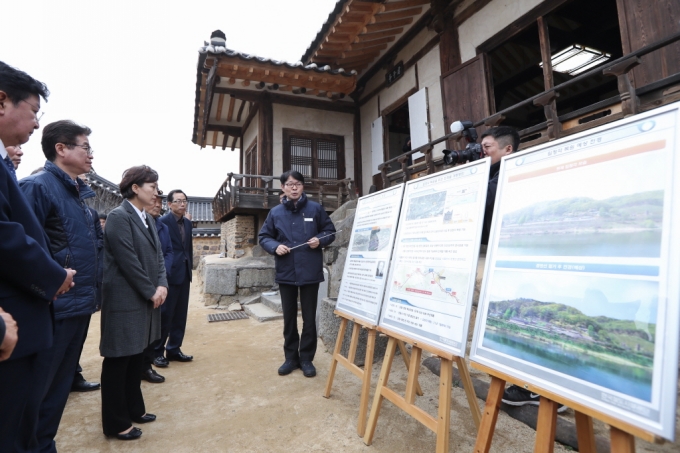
x: 348, y: 362
x: 439, y: 424
x: 622, y: 434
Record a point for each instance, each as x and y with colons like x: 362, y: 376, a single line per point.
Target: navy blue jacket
x: 182, y: 251
x: 61, y: 210
x: 292, y: 225
x: 166, y: 245
x: 29, y: 278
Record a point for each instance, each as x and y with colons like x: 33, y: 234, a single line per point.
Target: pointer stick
x: 331, y: 234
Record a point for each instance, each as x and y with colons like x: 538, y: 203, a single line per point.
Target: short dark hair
x: 295, y: 174
x: 102, y: 216
x: 18, y: 85
x: 171, y: 195
x: 136, y: 175
x: 504, y: 135
x: 63, y: 131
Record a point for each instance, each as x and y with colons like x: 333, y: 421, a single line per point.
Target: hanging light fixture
x: 576, y: 59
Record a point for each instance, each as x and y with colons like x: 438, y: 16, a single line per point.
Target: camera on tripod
x: 473, y: 150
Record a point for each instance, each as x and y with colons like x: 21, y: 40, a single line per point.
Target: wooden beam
x: 377, y: 35
x: 233, y: 144
x: 395, y: 6
x: 387, y: 25
x: 252, y: 111
x: 364, y: 45
x: 245, y: 83
x: 265, y: 139
x: 388, y: 17
x: 224, y: 141
x: 220, y: 101
x: 240, y: 111
x: 360, y: 52
x: 230, y: 112
x: 227, y: 130
x: 333, y: 46
x: 214, y: 139
x: 365, y: 7
x: 364, y: 57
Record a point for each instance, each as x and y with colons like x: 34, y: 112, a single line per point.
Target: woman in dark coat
x: 134, y: 288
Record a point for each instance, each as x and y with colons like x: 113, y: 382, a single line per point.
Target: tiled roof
x: 219, y: 50
x: 96, y: 180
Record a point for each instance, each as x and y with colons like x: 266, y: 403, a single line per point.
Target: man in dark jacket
x: 148, y: 373
x: 295, y: 232
x: 174, y: 310
x: 29, y: 277
x: 57, y: 197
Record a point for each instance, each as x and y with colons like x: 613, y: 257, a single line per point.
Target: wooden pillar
x: 449, y: 47
x: 266, y: 135
x: 358, y: 169
x: 550, y: 107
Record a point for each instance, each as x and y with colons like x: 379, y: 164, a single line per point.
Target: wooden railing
x: 397, y: 170
x: 255, y: 192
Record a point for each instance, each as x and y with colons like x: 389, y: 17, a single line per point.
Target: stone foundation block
x: 220, y: 280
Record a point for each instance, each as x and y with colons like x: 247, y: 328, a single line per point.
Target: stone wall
x: 238, y: 235
x: 205, y: 246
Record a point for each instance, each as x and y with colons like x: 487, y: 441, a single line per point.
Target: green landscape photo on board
x: 600, y: 330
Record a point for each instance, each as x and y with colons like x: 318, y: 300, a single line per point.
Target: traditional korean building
x: 382, y: 73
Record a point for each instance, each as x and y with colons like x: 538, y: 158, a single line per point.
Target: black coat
x: 29, y: 277
x: 490, y: 201
x: 182, y: 251
x: 292, y: 225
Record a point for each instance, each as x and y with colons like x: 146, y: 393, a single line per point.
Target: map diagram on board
x: 433, y: 286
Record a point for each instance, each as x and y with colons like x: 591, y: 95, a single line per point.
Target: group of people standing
x: 59, y: 264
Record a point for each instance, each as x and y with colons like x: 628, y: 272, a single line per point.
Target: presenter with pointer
x: 299, y: 270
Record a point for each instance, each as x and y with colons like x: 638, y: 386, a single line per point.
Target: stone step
x: 261, y: 312
x: 273, y: 302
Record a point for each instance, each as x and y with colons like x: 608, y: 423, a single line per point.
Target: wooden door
x: 644, y: 22
x: 467, y: 93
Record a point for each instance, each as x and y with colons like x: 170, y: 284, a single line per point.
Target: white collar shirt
x: 141, y: 214
x: 3, y: 151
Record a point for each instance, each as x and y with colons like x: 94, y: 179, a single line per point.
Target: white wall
x: 488, y: 21
x: 316, y: 121
x: 429, y: 71
x: 249, y: 136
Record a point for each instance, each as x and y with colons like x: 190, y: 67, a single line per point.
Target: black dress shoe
x: 160, y: 362
x: 180, y: 357
x: 307, y: 368
x: 135, y: 433
x: 288, y: 367
x: 150, y: 375
x: 84, y: 386
x: 146, y: 418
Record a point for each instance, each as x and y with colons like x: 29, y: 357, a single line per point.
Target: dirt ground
x: 231, y: 399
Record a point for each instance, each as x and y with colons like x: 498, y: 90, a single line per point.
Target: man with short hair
x: 295, y: 232
x: 29, y: 278
x: 174, y: 310
x: 57, y: 196
x: 498, y: 142
x: 148, y: 373
x: 15, y: 153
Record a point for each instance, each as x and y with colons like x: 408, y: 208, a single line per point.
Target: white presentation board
x: 432, y: 275
x: 368, y: 254
x: 581, y: 285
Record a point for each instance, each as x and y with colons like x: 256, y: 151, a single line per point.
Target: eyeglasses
x: 86, y: 148
x: 293, y: 184
x: 180, y: 201
x: 37, y: 109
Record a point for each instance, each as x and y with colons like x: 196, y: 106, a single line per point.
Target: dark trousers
x: 78, y: 376
x: 63, y: 358
x: 122, y: 399
x: 148, y: 355
x: 296, y: 346
x: 22, y: 382
x: 174, y: 319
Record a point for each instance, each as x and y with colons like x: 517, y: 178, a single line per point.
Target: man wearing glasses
x: 57, y: 196
x: 29, y: 278
x: 174, y: 310
x: 294, y: 232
